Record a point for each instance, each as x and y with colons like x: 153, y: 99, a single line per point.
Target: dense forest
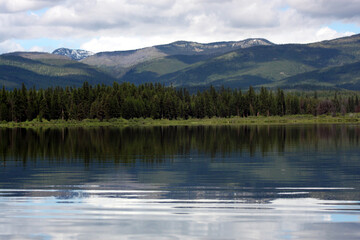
x: 157, y: 101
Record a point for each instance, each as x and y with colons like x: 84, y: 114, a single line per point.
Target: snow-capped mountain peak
x: 75, y: 54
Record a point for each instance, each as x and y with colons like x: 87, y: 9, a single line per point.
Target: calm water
x: 293, y: 182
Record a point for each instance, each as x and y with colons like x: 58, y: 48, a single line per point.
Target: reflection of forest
x: 229, y: 162
x: 156, y: 143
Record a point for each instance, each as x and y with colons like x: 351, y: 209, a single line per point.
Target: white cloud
x: 344, y: 9
x: 328, y: 33
x: 123, y: 24
x: 10, y: 46
x: 110, y: 43
x: 7, y: 6
x: 37, y: 49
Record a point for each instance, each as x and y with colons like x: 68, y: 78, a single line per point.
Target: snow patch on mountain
x: 75, y: 54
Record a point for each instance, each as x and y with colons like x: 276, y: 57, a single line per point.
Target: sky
x: 110, y: 25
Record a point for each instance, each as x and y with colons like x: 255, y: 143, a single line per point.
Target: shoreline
x: 352, y: 118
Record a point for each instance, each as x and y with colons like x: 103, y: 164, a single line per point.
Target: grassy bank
x: 260, y: 120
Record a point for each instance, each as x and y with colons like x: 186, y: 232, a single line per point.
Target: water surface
x: 268, y: 182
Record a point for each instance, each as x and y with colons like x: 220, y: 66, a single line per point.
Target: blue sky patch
x: 345, y: 27
x: 39, y: 12
x: 48, y: 44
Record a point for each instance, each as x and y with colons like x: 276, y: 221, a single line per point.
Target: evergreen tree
x: 264, y: 102
x: 4, y: 106
x: 19, y: 104
x: 280, y: 103
x: 272, y: 101
x: 351, y: 104
x: 44, y: 111
x: 199, y: 106
x: 251, y: 101
x: 32, y: 109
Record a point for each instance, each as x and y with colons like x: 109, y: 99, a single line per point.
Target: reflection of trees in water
x: 150, y: 144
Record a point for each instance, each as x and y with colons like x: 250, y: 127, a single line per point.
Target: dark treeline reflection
x: 129, y: 145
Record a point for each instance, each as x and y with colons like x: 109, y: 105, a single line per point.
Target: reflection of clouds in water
x: 108, y: 217
x: 188, y: 194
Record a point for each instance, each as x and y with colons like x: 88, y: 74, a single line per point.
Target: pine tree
x: 280, y: 103
x: 4, y: 106
x: 251, y: 101
x: 32, y: 109
x: 18, y: 105
x: 264, y: 103
x: 44, y: 112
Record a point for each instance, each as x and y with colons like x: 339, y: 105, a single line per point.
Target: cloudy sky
x: 106, y: 25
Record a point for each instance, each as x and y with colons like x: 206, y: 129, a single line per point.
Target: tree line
x: 157, y: 101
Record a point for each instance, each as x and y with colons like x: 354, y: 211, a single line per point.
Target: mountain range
x: 332, y: 64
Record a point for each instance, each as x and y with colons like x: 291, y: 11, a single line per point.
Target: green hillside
x: 255, y: 66
x: 343, y: 77
x: 270, y: 66
x: 119, y: 62
x: 44, y: 70
x: 151, y: 71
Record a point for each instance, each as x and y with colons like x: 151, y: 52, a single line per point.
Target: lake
x: 244, y: 182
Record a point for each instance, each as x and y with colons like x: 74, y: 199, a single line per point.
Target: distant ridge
x: 124, y: 59
x: 43, y: 70
x: 119, y: 62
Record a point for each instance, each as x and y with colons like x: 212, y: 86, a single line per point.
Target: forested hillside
x: 42, y: 70
x: 291, y: 66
